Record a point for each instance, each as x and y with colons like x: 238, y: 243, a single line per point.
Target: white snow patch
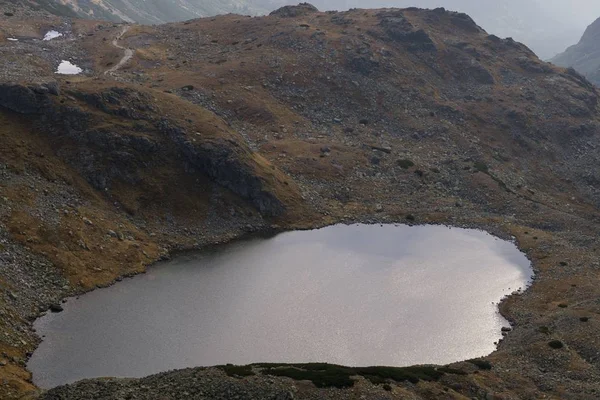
x: 67, y: 68
x: 52, y: 35
x: 10, y: 39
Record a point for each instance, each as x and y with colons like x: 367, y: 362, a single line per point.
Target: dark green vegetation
x: 481, y: 364
x: 544, y: 330
x: 330, y: 375
x: 406, y: 164
x: 237, y: 370
x: 556, y: 344
x: 481, y: 167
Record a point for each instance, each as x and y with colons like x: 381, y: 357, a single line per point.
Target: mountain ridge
x: 585, y: 55
x: 535, y: 23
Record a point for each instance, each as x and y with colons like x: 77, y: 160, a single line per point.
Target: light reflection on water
x: 354, y: 295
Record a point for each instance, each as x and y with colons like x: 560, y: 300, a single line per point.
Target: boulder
x: 22, y: 99
x: 56, y: 308
x: 295, y: 11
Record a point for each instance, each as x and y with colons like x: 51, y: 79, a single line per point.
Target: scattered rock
x: 56, y: 308
x: 294, y: 11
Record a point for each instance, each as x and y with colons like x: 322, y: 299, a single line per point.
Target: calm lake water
x: 356, y: 295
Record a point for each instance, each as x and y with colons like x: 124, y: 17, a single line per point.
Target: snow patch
x: 52, y: 35
x: 67, y: 68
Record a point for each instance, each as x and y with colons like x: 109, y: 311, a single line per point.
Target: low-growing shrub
x: 405, y: 164
x: 237, y: 370
x: 556, y: 344
x: 481, y: 364
x: 480, y: 166
x: 331, y: 375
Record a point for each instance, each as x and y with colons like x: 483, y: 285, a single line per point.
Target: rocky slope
x: 585, y: 55
x: 547, y: 27
x: 224, y: 126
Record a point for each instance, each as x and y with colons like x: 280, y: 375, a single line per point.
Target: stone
x: 295, y: 11
x: 53, y: 88
x: 56, y: 308
x: 285, y: 396
x: 21, y: 99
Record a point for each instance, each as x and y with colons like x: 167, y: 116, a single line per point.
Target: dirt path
x: 128, y: 53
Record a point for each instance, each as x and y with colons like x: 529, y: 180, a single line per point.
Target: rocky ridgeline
x: 585, y: 55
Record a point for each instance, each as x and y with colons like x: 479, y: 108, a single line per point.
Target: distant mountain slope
x: 142, y: 11
x: 27, y: 7
x: 585, y: 55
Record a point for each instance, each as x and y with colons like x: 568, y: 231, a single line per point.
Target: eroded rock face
x: 21, y: 99
x: 218, y: 160
x: 398, y: 28
x: 105, y: 154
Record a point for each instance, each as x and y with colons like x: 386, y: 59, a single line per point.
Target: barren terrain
x: 223, y: 127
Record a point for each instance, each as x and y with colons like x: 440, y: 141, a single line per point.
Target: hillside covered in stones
x: 221, y: 127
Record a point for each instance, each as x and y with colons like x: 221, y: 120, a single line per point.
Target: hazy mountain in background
x: 585, y: 55
x: 144, y: 11
x: 546, y: 26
